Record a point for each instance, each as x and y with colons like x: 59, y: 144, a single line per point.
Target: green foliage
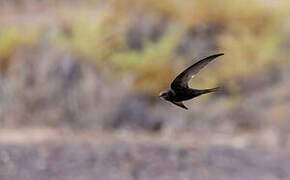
x: 162, y: 8
x: 251, y: 34
x: 253, y: 38
x: 151, y: 65
x: 13, y: 37
x: 96, y: 39
x: 152, y: 53
x: 251, y: 51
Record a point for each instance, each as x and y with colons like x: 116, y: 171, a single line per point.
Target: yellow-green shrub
x: 151, y: 66
x: 11, y: 38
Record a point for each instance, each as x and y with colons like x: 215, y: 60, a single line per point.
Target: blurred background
x: 79, y: 84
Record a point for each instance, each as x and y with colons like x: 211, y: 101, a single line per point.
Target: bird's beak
x: 161, y: 96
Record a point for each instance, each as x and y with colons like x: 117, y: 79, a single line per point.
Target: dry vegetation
x: 92, y: 53
x: 130, y: 40
x: 90, y: 70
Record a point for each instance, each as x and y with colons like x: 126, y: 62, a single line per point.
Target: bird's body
x: 180, y: 91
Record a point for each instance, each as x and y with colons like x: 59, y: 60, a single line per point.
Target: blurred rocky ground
x: 44, y: 87
x: 79, y: 85
x: 246, y: 137
x: 121, y: 160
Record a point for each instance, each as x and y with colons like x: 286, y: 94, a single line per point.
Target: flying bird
x: 180, y: 91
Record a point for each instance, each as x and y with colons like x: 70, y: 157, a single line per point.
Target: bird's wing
x: 181, y: 81
x: 180, y: 104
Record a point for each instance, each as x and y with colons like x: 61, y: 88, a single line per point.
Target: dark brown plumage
x: 180, y: 91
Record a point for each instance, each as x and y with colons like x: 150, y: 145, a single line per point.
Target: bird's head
x: 164, y: 95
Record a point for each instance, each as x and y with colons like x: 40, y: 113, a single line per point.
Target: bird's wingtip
x: 220, y: 54
x: 216, y: 55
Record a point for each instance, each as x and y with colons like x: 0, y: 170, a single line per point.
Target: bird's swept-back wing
x: 181, y: 81
x: 180, y: 104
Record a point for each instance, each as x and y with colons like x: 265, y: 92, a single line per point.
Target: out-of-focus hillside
x: 101, y: 64
x: 96, y: 67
